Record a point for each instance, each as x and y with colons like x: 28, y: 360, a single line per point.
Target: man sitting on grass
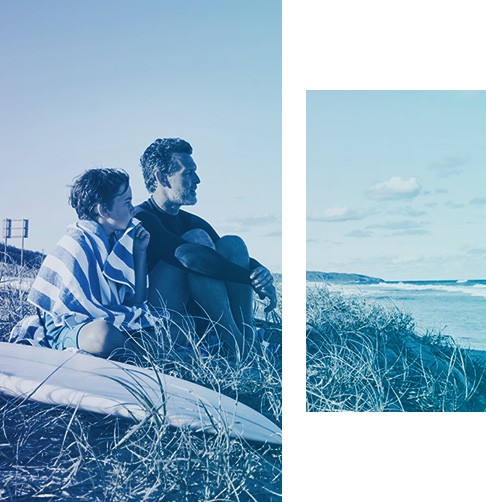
x: 91, y: 289
x: 192, y: 269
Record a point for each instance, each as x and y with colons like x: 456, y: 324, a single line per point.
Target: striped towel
x: 83, y: 280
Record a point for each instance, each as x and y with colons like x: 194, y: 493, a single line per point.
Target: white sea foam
x: 473, y: 290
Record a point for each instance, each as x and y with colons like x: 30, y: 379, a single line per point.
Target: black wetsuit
x: 167, y: 244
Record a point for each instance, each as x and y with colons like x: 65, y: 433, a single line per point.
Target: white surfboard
x: 98, y: 385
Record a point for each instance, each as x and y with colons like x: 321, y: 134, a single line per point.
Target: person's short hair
x: 158, y: 157
x: 97, y: 186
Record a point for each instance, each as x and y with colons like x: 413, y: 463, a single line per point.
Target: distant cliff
x: 341, y: 278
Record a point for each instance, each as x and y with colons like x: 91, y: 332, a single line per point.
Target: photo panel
x: 171, y: 388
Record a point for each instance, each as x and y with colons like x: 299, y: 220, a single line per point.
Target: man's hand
x: 141, y: 239
x: 262, y: 283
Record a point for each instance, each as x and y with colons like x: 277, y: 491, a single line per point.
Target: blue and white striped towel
x: 83, y: 279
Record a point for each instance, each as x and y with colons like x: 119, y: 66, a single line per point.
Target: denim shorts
x: 62, y: 337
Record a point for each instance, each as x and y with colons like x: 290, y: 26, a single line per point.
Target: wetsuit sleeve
x: 204, y: 225
x: 204, y: 260
x: 199, y: 259
x: 163, y: 243
x: 254, y: 264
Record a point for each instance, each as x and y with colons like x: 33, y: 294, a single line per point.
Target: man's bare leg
x: 169, y: 289
x: 172, y: 287
x: 234, y: 249
x: 212, y: 296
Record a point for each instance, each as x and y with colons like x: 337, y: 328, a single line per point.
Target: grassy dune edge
x: 59, y: 454
x: 364, y: 356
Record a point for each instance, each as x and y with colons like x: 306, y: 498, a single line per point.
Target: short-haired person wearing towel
x: 91, y: 290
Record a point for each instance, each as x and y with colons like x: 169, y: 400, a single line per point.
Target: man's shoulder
x: 144, y: 206
x: 190, y: 216
x: 146, y: 211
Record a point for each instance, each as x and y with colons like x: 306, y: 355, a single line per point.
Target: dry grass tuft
x: 363, y: 356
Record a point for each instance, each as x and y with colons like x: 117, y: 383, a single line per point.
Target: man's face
x: 183, y: 183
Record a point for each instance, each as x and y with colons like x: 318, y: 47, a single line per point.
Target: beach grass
x: 367, y: 356
x: 60, y: 454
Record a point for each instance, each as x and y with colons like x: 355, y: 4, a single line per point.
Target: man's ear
x: 162, y: 179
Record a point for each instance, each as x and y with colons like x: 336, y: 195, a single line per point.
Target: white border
x: 368, y: 45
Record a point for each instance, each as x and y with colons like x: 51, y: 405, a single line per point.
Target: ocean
x: 455, y: 308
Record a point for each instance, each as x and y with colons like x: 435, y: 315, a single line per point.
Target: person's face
x: 121, y: 213
x: 182, y: 184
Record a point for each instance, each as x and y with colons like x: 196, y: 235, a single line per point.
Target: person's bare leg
x: 169, y: 289
x: 101, y: 338
x: 212, y: 296
x: 234, y: 249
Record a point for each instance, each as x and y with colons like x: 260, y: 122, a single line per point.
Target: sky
x: 396, y: 183
x: 93, y: 83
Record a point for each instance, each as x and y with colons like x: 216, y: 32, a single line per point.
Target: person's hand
x: 261, y: 278
x: 270, y: 293
x: 262, y: 283
x: 141, y: 239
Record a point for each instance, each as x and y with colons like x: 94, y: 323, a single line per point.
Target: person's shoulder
x: 192, y: 220
x: 149, y: 216
x: 191, y: 216
x: 145, y: 206
x: 145, y: 211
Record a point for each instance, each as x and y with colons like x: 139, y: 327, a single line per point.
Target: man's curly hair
x: 97, y: 186
x: 158, y: 157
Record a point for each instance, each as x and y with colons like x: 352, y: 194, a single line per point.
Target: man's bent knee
x: 198, y: 236
x: 233, y: 248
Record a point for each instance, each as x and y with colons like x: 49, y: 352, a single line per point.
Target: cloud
x: 360, y: 233
x: 395, y: 188
x: 449, y: 166
x: 337, y: 213
x: 453, y: 205
x: 245, y: 223
x: 401, y: 225
x: 273, y: 234
x: 441, y: 190
x: 409, y: 211
x: 481, y: 252
x: 257, y: 220
x: 478, y: 200
x: 412, y: 231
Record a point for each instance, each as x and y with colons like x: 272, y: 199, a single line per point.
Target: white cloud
x: 256, y: 219
x: 244, y: 223
x: 337, y: 213
x: 395, y: 188
x: 478, y: 200
x: 409, y: 211
x: 453, y: 205
x: 448, y: 166
x: 360, y: 233
x: 412, y: 231
x: 401, y: 225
